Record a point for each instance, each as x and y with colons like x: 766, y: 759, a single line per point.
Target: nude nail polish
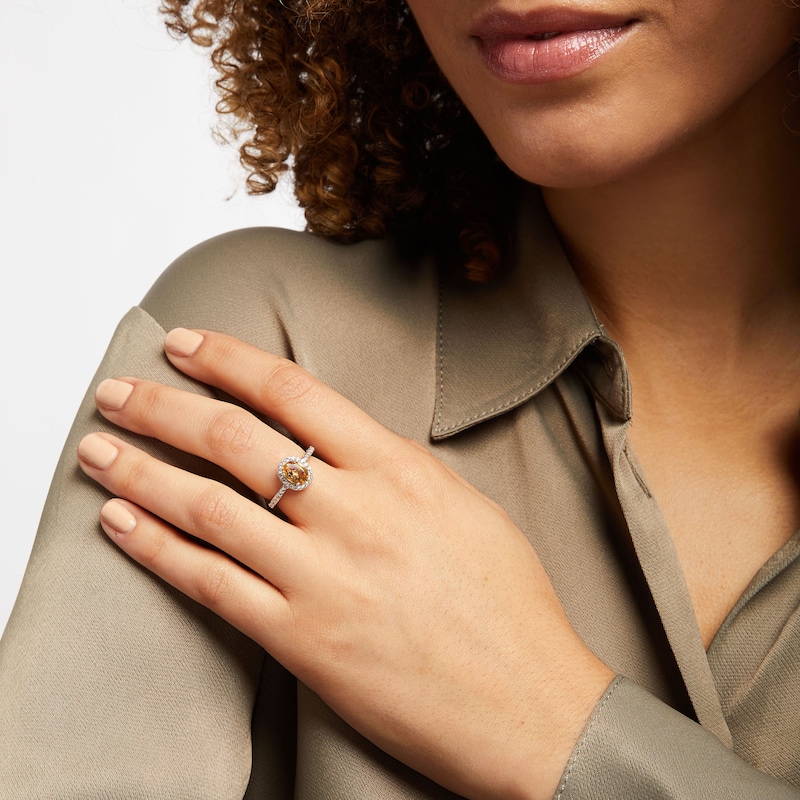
x: 99, y: 452
x: 117, y: 517
x: 182, y: 342
x: 113, y: 394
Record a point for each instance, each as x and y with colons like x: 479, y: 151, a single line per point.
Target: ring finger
x: 220, y: 432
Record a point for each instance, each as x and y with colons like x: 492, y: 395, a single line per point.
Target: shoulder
x: 222, y: 281
x: 362, y: 317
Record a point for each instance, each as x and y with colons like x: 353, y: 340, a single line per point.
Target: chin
x: 583, y: 143
x: 574, y: 166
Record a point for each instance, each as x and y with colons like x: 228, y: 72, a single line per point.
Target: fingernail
x: 182, y: 342
x: 113, y: 394
x: 99, y: 452
x: 115, y: 515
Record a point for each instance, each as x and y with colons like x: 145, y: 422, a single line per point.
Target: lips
x: 546, y: 45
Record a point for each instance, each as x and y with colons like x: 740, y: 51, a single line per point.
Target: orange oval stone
x: 296, y: 474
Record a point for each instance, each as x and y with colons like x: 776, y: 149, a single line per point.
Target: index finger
x: 311, y: 411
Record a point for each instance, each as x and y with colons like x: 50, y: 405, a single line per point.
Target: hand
x: 406, y: 599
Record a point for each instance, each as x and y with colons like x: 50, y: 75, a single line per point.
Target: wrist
x: 544, y: 742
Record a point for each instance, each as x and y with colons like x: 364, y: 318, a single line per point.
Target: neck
x: 703, y: 243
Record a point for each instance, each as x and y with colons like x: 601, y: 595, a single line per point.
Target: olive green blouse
x: 113, y: 685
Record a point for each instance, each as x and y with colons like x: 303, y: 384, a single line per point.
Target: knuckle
x: 413, y: 473
x: 152, y: 547
x: 285, y: 383
x: 212, y: 511
x: 149, y: 400
x: 130, y: 481
x: 230, y: 433
x: 213, y: 583
x: 224, y: 351
x: 417, y: 447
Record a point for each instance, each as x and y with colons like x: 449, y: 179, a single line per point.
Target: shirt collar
x: 499, y: 345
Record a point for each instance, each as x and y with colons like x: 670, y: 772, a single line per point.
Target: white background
x: 108, y: 171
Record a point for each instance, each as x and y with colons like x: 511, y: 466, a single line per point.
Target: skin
x: 670, y: 152
x: 681, y: 70
x: 345, y: 597
x: 671, y: 170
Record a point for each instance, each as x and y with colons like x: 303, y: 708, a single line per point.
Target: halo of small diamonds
x: 294, y: 473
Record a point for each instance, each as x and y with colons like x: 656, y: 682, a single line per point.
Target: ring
x: 294, y: 474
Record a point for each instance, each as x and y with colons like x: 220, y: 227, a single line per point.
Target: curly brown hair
x: 347, y: 95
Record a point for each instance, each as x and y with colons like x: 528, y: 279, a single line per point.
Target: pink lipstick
x: 547, y: 45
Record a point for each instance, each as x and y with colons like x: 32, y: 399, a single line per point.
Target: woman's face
x: 576, y: 93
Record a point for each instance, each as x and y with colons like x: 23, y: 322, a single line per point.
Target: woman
x: 437, y: 651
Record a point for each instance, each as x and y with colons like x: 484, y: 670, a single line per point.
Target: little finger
x: 239, y: 596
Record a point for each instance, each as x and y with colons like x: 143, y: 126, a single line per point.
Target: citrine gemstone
x: 295, y: 474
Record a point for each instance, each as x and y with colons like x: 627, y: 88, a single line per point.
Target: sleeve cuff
x: 634, y: 747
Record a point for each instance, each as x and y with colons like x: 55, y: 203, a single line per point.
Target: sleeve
x: 112, y: 684
x: 636, y: 747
